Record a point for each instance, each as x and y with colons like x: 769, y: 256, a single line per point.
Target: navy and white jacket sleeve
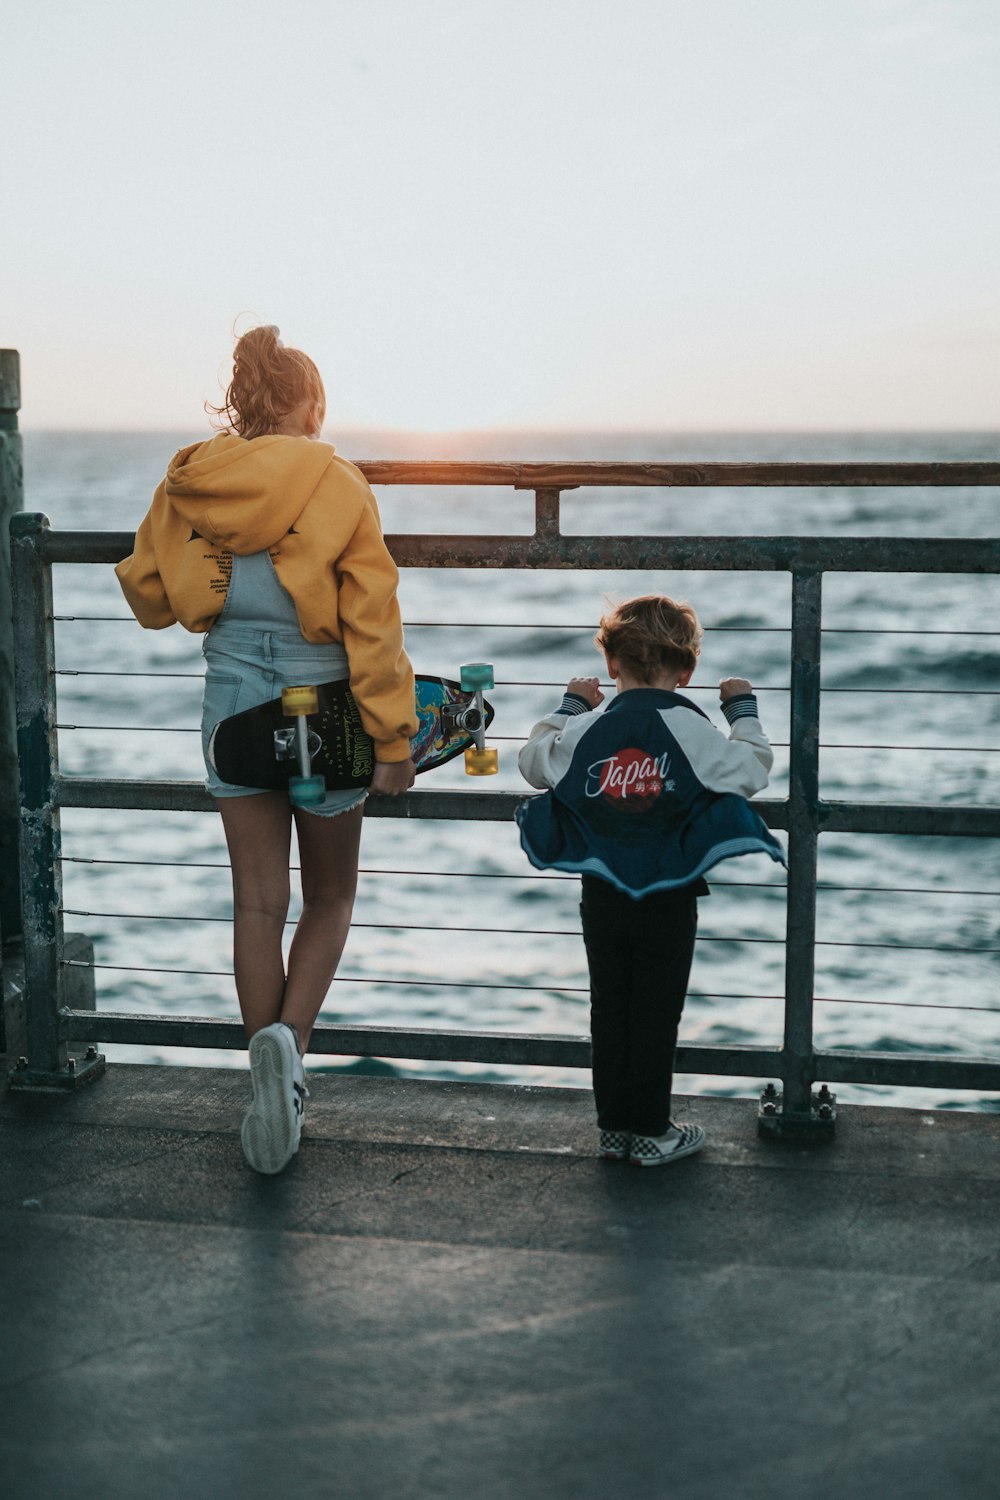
x: 534, y: 760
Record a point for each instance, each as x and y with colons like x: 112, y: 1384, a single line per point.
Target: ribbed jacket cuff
x: 572, y: 703
x: 743, y: 706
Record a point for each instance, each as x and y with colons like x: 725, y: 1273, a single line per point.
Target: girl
x: 270, y: 543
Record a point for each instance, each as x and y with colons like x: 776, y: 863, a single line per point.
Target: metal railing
x: 51, y: 1026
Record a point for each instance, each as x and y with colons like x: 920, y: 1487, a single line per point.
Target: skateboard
x: 311, y: 739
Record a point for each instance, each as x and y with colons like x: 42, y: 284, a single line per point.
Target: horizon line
x: 424, y: 433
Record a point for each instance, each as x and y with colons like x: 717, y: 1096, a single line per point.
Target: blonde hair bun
x: 269, y: 381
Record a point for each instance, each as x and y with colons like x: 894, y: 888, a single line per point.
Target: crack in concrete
x: 115, y: 1349
x: 367, y: 1192
x: 849, y: 1395
x: 78, y: 1180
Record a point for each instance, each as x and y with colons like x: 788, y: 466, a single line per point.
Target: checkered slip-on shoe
x: 615, y: 1144
x: 660, y: 1150
x: 272, y: 1126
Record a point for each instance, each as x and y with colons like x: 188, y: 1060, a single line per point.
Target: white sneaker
x: 658, y: 1150
x: 272, y: 1126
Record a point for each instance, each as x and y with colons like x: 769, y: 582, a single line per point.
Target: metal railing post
x: 547, y: 512
x: 11, y: 501
x: 46, y: 1061
x: 795, y: 1112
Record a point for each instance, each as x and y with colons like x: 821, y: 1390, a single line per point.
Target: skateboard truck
x: 305, y: 789
x: 480, y: 759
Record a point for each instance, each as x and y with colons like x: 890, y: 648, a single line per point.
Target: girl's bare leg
x: 328, y: 852
x: 258, y: 832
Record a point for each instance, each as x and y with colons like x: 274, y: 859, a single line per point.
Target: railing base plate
x: 778, y: 1123
x: 78, y: 1071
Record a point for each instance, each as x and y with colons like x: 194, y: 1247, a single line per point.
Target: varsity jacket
x: 316, y: 516
x: 645, y: 793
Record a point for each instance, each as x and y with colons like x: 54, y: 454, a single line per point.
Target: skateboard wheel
x: 306, y: 791
x: 299, y: 700
x: 481, y: 762
x: 476, y: 675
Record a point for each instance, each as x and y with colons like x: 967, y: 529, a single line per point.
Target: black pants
x: 639, y: 954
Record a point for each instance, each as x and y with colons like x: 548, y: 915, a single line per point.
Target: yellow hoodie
x: 316, y: 516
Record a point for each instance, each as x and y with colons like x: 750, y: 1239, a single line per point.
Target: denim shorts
x: 245, y: 667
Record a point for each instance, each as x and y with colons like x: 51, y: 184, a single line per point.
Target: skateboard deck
x: 256, y: 748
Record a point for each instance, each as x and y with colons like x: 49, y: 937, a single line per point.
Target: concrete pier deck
x: 447, y: 1294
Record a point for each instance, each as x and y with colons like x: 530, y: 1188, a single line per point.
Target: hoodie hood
x: 245, y: 495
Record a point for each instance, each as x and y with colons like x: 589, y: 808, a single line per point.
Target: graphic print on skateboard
x: 315, y: 735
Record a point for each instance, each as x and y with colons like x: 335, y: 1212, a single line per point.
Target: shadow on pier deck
x: 448, y: 1295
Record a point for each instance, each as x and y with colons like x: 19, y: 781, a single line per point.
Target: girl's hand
x: 732, y: 687
x: 587, y: 688
x: 393, y: 777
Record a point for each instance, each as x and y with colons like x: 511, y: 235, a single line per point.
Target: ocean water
x: 452, y: 928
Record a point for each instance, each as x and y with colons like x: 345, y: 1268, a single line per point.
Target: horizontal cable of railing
x: 553, y: 684
x: 583, y: 629
x: 410, y: 981
x: 715, y: 883
x: 519, y: 932
x: 508, y: 739
x: 384, y: 981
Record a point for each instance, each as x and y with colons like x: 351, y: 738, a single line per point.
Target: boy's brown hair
x: 650, y: 635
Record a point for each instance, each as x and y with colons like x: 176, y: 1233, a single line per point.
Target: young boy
x: 645, y: 797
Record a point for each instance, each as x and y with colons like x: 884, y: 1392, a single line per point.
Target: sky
x: 582, y: 214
